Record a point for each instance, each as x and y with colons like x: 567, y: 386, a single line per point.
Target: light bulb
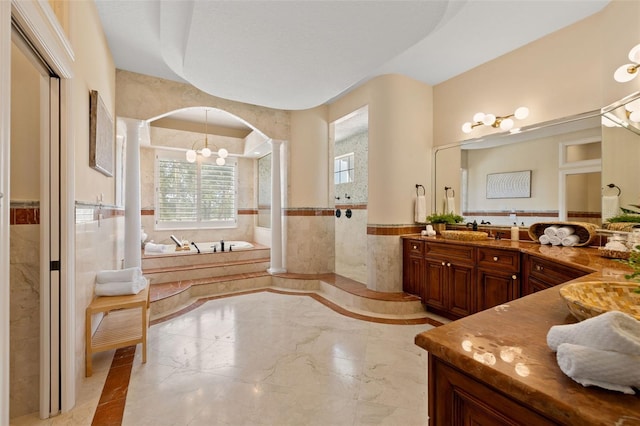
x: 634, y: 54
x: 506, y: 124
x: 222, y: 153
x: 206, y: 152
x: 220, y: 161
x: 635, y: 116
x: 478, y: 116
x: 191, y: 156
x: 633, y: 106
x: 624, y: 73
x: 466, y: 127
x: 489, y: 119
x: 521, y: 113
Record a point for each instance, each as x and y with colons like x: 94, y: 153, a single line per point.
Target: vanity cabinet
x: 449, y: 279
x: 413, y: 270
x: 540, y: 274
x: 498, y: 277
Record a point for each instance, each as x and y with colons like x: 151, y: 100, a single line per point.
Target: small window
x: 195, y: 195
x: 343, y: 168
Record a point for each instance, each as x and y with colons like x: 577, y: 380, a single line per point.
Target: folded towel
x: 544, y: 239
x: 611, y: 331
x: 570, y: 240
x: 451, y: 205
x: 121, y: 288
x: 550, y: 231
x: 594, y: 367
x: 610, y: 206
x: 156, y: 248
x: 564, y: 231
x: 122, y: 275
x: 555, y: 240
x: 420, y: 213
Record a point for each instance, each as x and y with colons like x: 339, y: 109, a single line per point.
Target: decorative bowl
x: 592, y: 298
x: 464, y: 235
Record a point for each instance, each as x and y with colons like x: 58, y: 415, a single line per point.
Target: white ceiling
x: 300, y: 54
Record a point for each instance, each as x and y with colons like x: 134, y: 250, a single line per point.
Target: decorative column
x: 276, y: 209
x: 132, y: 222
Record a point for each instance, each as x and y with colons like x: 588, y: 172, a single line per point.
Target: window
x: 343, y: 168
x: 195, y: 195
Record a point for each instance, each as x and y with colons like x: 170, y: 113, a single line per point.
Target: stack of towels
x: 120, y: 282
x: 559, y: 236
x: 601, y: 351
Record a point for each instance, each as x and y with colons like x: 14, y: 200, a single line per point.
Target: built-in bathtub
x: 205, y: 247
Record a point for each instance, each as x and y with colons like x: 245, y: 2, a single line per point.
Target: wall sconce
x: 628, y: 72
x: 503, y: 122
x: 192, y: 154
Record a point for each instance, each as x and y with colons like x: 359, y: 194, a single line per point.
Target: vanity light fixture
x: 628, y: 72
x: 192, y: 154
x: 504, y: 122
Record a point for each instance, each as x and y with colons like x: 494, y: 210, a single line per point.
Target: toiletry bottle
x: 515, y: 233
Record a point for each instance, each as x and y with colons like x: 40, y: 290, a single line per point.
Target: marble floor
x: 265, y: 359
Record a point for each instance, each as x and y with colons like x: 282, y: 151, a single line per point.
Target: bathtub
x: 205, y: 247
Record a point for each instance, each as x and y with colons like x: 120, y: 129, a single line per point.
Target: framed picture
x: 101, y: 139
x: 509, y: 185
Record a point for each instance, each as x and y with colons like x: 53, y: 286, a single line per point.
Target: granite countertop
x: 505, y: 347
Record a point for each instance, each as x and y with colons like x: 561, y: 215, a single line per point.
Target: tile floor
x: 267, y: 359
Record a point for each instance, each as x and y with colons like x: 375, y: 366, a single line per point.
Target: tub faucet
x: 221, y: 245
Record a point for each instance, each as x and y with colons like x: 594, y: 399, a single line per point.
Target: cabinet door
x: 461, y: 294
x: 496, y: 288
x: 413, y: 276
x: 434, y: 295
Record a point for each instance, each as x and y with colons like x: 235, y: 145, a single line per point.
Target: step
x: 189, y: 258
x: 205, y: 270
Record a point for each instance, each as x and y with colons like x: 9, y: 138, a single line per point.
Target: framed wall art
x: 509, y: 185
x: 101, y: 135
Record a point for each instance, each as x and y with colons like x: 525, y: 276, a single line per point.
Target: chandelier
x: 192, y: 154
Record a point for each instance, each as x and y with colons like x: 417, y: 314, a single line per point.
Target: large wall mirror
x: 571, y: 168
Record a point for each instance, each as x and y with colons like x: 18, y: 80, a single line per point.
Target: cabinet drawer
x: 552, y: 273
x: 505, y: 260
x: 414, y: 248
x: 450, y: 251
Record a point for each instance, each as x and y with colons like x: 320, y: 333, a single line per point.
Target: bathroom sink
x: 464, y: 235
x: 592, y: 298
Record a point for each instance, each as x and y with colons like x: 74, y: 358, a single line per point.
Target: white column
x: 132, y: 221
x: 276, y: 210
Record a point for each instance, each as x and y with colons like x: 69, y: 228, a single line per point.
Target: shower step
x: 167, y: 274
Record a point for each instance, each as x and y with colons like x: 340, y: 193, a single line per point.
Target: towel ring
x: 446, y: 191
x: 424, y: 191
x: 611, y: 185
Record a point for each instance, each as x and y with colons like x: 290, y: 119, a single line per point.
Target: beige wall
x: 567, y: 72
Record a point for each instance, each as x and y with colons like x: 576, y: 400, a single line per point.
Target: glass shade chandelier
x: 628, y: 72
x: 504, y: 122
x: 192, y: 154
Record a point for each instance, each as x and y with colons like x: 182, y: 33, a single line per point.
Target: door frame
x: 42, y: 29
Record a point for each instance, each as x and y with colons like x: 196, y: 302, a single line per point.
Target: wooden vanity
x: 493, y: 367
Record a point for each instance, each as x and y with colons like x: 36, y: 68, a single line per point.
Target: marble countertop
x: 505, y: 347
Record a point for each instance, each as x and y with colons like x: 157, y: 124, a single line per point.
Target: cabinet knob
x: 539, y: 268
x: 415, y: 247
x: 514, y: 277
x: 443, y: 264
x: 448, y: 264
x: 495, y: 258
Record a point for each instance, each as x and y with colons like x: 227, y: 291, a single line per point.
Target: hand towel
x: 610, y: 206
x: 420, y: 213
x: 550, y: 231
x: 544, y: 239
x: 570, y: 240
x: 594, y: 367
x: 121, y: 288
x: 564, y: 231
x: 451, y: 205
x: 611, y: 331
x: 555, y: 240
x: 122, y: 275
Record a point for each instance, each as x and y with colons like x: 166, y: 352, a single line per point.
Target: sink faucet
x: 473, y: 225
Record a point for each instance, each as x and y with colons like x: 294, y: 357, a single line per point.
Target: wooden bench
x: 125, y: 323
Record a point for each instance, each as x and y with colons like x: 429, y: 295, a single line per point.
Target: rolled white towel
x: 121, y: 288
x: 555, y: 240
x: 616, y: 245
x: 156, y: 248
x: 564, y: 231
x: 594, y: 367
x: 570, y: 240
x: 550, y: 231
x: 544, y: 239
x: 611, y: 331
x: 118, y: 275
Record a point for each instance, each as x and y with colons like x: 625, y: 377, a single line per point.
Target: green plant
x: 625, y: 217
x: 634, y: 263
x: 449, y: 218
